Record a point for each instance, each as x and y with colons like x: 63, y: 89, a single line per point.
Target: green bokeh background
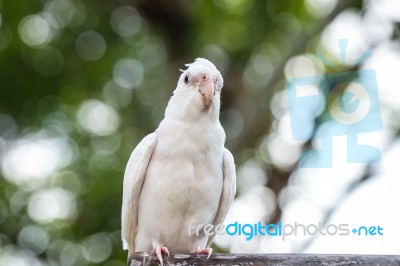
x: 94, y: 77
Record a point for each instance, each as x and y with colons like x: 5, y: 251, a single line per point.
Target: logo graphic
x: 352, y: 107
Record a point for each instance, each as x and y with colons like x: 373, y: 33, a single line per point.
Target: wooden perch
x: 148, y: 258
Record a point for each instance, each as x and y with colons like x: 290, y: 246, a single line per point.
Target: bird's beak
x: 207, y: 92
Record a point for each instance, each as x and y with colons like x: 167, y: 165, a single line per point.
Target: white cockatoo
x: 180, y: 177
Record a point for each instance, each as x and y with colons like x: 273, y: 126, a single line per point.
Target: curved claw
x: 207, y: 251
x: 159, y: 250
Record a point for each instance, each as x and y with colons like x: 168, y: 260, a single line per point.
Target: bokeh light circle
x: 90, y: 45
x: 98, y: 118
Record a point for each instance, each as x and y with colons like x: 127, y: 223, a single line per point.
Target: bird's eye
x: 186, y: 79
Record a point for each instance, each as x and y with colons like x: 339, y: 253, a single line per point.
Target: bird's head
x: 204, y: 79
x: 199, y: 89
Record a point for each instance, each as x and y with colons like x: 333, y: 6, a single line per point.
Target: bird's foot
x: 159, y: 250
x: 207, y: 251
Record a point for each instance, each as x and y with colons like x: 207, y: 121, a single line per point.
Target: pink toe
x: 165, y: 250
x: 159, y: 250
x: 207, y: 251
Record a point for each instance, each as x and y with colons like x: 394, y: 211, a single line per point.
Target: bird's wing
x: 133, y: 182
x: 228, y: 191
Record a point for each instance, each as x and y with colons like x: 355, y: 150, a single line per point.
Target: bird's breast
x: 189, y: 187
x: 183, y: 183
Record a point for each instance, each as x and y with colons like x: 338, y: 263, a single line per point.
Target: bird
x: 181, y: 175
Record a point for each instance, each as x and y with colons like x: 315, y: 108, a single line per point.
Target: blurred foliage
x: 82, y: 82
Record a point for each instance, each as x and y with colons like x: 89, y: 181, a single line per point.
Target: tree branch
x: 147, y: 258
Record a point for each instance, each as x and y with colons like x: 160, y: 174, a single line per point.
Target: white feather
x: 133, y: 182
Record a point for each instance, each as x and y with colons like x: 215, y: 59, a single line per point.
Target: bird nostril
x: 204, y: 77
